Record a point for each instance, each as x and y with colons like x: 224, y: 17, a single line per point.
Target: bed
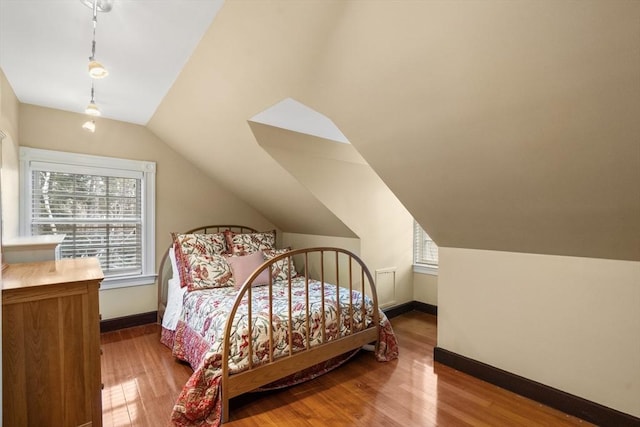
x: 249, y: 316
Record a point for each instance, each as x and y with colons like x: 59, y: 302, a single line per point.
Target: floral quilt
x: 199, y: 336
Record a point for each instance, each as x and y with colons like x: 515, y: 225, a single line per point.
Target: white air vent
x: 386, y: 286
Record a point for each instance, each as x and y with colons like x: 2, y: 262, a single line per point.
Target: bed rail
x: 332, y: 267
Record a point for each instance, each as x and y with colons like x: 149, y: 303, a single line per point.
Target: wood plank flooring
x: 142, y: 380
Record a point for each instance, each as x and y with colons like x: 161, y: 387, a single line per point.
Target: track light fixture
x: 96, y: 69
x: 92, y: 109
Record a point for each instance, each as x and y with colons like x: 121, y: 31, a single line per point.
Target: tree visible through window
x: 101, y: 217
x: 104, y: 206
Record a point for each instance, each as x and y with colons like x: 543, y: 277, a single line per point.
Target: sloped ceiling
x: 254, y: 55
x: 501, y: 126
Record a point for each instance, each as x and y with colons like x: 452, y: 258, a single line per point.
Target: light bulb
x: 97, y: 70
x: 89, y: 125
x: 92, y: 109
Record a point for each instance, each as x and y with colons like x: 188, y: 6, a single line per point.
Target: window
x: 425, y: 251
x: 104, y: 206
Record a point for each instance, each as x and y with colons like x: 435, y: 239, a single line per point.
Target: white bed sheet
x: 175, y: 298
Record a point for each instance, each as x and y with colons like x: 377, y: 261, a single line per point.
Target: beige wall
x: 315, y: 267
x: 298, y: 241
x: 425, y: 288
x: 570, y: 323
x: 343, y: 182
x: 9, y: 106
x: 185, y: 197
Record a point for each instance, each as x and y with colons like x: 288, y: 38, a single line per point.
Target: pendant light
x: 96, y: 69
x: 92, y: 109
x: 89, y: 126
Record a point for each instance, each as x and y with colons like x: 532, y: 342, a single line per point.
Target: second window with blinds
x: 425, y: 252
x: 104, y: 206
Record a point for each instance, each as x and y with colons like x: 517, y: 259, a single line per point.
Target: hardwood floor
x: 142, y: 380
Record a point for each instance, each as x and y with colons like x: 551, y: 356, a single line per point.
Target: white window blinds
x: 425, y: 251
x: 101, y: 217
x: 104, y: 206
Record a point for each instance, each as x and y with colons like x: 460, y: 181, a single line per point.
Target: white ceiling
x: 45, y: 45
x: 293, y: 115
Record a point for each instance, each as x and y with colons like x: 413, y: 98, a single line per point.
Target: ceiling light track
x: 96, y: 69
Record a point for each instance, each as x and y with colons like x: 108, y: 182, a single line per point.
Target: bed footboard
x: 336, y: 270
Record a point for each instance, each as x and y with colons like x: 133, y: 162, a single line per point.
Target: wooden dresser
x: 51, y: 344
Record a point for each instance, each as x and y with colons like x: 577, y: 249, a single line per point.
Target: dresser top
x: 34, y: 242
x: 29, y: 274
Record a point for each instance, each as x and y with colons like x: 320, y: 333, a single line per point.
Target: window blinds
x: 101, y: 216
x: 425, y: 251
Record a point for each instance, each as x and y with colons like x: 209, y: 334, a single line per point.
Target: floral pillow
x: 200, y: 261
x: 280, y: 269
x: 246, y: 243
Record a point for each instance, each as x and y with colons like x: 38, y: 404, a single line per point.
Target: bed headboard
x: 164, y: 271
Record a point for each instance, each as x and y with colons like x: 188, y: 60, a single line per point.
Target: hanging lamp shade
x: 92, y: 109
x: 90, y: 126
x: 97, y: 70
x: 100, y: 5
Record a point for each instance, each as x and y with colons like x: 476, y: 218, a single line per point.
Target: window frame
x: 96, y: 165
x: 420, y: 265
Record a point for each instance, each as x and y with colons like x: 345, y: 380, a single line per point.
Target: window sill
x: 425, y: 269
x: 127, y: 281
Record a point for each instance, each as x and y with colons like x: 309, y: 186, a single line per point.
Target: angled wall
x: 253, y: 55
x: 339, y: 178
x: 502, y: 126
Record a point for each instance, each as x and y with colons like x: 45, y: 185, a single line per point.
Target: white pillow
x: 174, y: 264
x: 175, y: 296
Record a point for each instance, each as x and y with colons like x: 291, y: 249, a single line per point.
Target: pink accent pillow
x: 243, y: 266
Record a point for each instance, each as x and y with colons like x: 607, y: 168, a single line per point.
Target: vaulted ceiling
x: 504, y: 126
x: 507, y: 126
